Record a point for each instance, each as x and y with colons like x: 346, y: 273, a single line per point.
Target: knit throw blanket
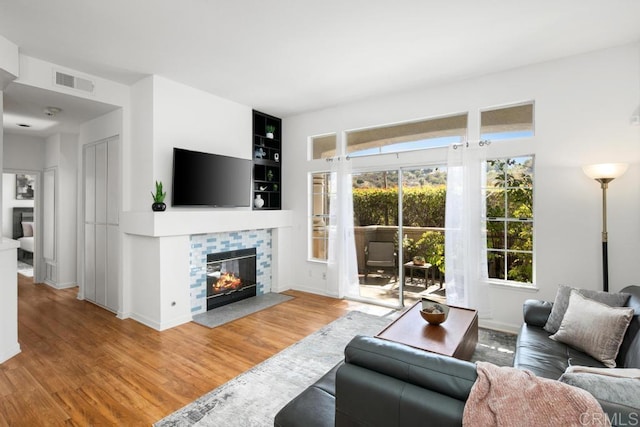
x: 504, y: 396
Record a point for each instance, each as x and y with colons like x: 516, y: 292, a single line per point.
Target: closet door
x: 101, y: 264
x: 89, y: 223
x: 112, y: 258
x: 113, y: 182
x: 113, y: 262
x: 102, y: 183
x: 90, y: 262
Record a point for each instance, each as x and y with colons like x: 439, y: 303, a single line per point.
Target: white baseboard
x: 8, y: 354
x: 315, y: 291
x: 60, y: 285
x: 498, y: 326
x: 163, y: 326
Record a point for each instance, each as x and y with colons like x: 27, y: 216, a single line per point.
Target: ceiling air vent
x: 73, y: 82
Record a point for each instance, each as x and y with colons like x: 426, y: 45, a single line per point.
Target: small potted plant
x: 418, y: 260
x: 158, y: 198
x: 270, y: 131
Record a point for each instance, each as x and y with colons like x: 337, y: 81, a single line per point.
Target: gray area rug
x: 495, y: 347
x: 231, y: 312
x: 254, y: 397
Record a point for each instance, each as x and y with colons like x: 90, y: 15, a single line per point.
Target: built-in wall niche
x: 267, y: 161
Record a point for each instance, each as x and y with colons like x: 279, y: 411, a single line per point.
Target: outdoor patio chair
x: 380, y: 256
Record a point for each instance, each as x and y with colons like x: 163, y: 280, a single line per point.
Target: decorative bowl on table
x: 434, y: 312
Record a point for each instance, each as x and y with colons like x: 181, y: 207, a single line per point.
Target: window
x: 323, y: 146
x: 319, y: 220
x: 509, y: 122
x: 509, y: 210
x: 429, y: 133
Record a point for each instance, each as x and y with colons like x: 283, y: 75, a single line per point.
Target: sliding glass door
x: 423, y: 196
x: 387, y: 242
x: 376, y: 229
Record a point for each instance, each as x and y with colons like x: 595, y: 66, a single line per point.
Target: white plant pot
x: 269, y: 135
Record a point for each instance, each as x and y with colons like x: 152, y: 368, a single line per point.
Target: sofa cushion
x: 617, y: 396
x: 562, y: 301
x: 595, y: 328
x: 545, y: 357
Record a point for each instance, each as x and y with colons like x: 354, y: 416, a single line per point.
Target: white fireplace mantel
x: 178, y: 222
x: 161, y: 296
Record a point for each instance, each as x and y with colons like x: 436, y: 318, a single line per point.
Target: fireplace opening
x: 231, y: 277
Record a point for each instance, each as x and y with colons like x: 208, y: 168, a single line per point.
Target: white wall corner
x: 9, y: 62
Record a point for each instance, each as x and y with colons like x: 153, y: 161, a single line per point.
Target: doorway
x: 20, y: 219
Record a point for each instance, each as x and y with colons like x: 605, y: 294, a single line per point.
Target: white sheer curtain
x: 342, y: 268
x: 466, y: 273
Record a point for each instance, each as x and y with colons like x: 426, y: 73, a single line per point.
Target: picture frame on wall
x: 25, y: 185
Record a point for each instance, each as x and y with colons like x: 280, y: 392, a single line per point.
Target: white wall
x: 583, y: 110
x: 62, y: 154
x: 22, y: 152
x: 9, y: 202
x: 188, y: 118
x: 9, y: 345
x: 9, y: 62
x: 166, y: 114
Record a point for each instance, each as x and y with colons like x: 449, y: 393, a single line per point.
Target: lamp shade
x: 605, y: 170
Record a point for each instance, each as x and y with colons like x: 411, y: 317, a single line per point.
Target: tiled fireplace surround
x: 203, y: 244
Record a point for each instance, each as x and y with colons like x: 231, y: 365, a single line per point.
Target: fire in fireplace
x: 231, y: 277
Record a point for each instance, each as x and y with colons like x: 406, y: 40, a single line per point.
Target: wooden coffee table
x: 456, y: 337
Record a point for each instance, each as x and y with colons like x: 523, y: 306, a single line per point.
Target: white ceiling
x: 26, y: 105
x: 285, y: 57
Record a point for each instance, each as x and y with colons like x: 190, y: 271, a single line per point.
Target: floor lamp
x: 605, y: 173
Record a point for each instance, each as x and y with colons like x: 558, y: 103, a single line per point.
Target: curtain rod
x: 481, y: 143
x: 338, y: 158
x: 347, y: 157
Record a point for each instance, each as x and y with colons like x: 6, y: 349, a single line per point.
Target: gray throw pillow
x: 621, y: 393
x: 562, y: 301
x: 594, y: 328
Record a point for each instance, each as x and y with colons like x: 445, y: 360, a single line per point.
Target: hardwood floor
x: 81, y: 366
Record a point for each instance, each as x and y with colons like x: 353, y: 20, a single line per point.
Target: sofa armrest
x: 536, y: 312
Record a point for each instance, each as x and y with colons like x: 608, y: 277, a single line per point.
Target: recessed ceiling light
x: 23, y: 125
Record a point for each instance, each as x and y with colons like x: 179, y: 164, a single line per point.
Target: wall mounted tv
x: 204, y: 179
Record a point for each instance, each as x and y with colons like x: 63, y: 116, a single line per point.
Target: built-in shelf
x: 267, y: 162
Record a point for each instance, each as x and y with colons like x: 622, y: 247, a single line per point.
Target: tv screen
x: 204, y: 179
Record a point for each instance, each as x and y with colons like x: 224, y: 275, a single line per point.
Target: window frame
x: 311, y: 228
x: 505, y: 250
x: 502, y: 136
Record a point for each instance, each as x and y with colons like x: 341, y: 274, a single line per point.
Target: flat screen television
x: 204, y: 179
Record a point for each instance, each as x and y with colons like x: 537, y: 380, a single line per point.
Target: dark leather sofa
x: 381, y: 383
x: 549, y: 359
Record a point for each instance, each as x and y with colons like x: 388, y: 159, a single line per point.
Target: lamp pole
x: 604, y: 174
x: 604, y: 184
